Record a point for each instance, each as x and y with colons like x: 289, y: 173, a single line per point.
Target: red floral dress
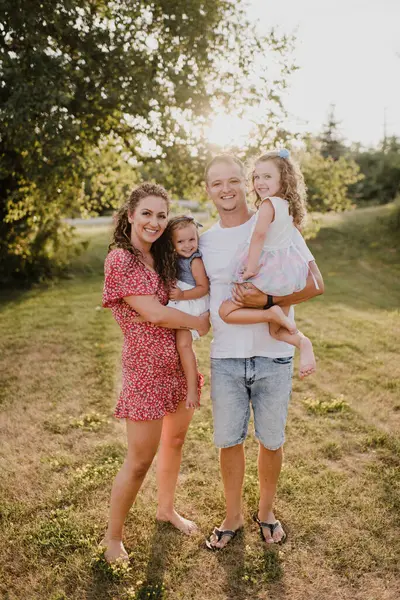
x: 153, y: 382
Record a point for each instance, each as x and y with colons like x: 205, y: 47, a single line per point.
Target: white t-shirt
x: 218, y: 246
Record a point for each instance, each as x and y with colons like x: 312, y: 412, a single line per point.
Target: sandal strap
x: 271, y: 526
x: 219, y: 533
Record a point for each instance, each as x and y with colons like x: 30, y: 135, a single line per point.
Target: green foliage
x: 59, y: 532
x: 330, y: 139
x: 76, y: 73
x: 108, y: 177
x: 328, y: 181
x: 324, y: 407
x: 381, y: 170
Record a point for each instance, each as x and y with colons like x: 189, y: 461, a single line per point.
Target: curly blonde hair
x: 162, y: 249
x: 293, y: 188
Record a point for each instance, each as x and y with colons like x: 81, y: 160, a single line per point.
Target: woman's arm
x: 202, y: 284
x: 246, y: 295
x: 266, y: 214
x: 151, y: 310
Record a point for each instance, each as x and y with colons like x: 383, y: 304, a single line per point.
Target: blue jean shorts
x: 266, y: 384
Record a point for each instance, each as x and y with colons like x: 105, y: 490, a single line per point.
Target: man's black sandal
x: 219, y: 534
x: 271, y: 527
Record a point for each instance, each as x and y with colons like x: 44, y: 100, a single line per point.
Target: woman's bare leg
x: 174, y: 430
x: 184, y: 345
x: 143, y: 440
x: 307, y: 364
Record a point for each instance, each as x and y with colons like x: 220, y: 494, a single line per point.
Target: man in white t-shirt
x: 248, y: 366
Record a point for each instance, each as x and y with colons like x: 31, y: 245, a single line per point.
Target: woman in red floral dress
x: 139, y: 271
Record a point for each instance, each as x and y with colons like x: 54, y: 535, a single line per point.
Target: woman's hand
x: 176, y: 294
x: 204, y: 321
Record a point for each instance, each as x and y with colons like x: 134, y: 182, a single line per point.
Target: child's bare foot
x: 192, y: 400
x: 281, y: 319
x: 187, y: 527
x: 114, y: 551
x: 307, y: 358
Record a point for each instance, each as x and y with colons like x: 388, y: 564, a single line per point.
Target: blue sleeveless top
x: 185, y: 268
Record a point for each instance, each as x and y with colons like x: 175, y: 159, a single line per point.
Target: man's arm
x: 245, y: 294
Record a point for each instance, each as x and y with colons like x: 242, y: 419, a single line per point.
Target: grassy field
x: 339, y: 488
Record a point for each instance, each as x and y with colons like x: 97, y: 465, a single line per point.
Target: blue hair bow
x: 283, y: 153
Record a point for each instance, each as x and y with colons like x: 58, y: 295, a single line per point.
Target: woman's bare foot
x: 281, y: 319
x: 114, y: 551
x: 307, y: 359
x: 184, y: 525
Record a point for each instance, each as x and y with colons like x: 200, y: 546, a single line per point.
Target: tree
x: 381, y: 170
x: 74, y: 72
x: 330, y: 138
x: 328, y: 181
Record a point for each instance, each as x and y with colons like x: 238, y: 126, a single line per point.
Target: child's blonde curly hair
x: 293, y: 188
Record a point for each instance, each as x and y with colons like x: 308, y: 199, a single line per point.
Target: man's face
x: 226, y: 186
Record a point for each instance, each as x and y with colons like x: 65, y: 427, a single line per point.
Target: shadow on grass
x: 162, y: 543
x: 246, y: 574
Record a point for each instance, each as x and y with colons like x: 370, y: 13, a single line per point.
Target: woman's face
x: 148, y: 220
x: 266, y: 179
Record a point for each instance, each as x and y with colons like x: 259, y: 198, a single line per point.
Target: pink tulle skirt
x: 282, y: 270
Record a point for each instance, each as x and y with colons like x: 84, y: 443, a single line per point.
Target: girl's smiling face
x: 148, y: 220
x: 185, y: 240
x: 266, y: 179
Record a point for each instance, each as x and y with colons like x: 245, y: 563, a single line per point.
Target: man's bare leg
x: 269, y: 468
x: 232, y: 462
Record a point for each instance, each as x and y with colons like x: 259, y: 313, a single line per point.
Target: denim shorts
x: 266, y: 384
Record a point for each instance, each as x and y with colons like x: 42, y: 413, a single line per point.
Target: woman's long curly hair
x: 162, y: 249
x: 293, y: 188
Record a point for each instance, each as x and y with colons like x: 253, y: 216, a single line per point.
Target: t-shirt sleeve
x: 302, y: 246
x: 124, y: 277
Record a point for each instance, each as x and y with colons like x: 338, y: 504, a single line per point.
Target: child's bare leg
x: 233, y: 314
x: 188, y: 359
x: 307, y: 359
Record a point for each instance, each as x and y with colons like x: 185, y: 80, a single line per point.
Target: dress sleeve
x: 124, y: 276
x: 196, y: 254
x: 298, y: 240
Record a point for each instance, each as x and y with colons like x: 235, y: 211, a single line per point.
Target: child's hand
x: 176, y: 294
x: 249, y: 273
x: 192, y: 401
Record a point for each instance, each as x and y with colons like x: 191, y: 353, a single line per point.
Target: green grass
x: 339, y: 489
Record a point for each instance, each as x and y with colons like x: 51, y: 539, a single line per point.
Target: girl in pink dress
x: 270, y: 259
x: 139, y: 273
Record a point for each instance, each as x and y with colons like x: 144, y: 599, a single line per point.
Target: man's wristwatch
x: 270, y: 302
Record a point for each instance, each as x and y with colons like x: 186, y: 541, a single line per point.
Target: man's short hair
x: 227, y: 159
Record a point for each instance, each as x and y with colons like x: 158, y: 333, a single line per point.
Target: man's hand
x: 176, y: 294
x: 248, y: 296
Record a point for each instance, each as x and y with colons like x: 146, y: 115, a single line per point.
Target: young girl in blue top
x: 190, y: 295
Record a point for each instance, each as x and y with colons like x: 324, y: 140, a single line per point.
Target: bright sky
x: 348, y: 52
